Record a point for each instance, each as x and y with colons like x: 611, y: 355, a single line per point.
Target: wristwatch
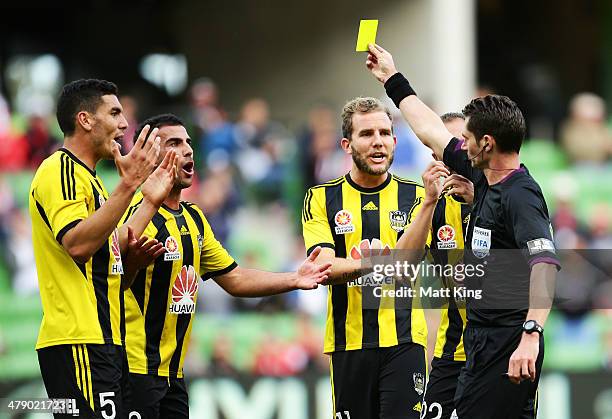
x: 531, y: 326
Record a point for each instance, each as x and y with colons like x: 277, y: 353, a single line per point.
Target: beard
x: 362, y: 163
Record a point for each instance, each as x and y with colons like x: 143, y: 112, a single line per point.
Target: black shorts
x: 89, y: 373
x: 483, y: 391
x: 154, y: 397
x: 441, y: 385
x: 379, y: 382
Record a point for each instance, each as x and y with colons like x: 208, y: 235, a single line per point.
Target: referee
x: 504, y: 336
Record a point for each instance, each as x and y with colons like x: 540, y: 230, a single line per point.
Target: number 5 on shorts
x: 105, y: 401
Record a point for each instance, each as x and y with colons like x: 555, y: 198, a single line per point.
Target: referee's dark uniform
x: 509, y: 232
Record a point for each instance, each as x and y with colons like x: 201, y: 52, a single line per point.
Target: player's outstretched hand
x: 159, y: 183
x: 380, y: 63
x: 137, y: 165
x: 140, y: 253
x: 522, y: 364
x: 461, y: 186
x: 432, y: 180
x: 310, y: 274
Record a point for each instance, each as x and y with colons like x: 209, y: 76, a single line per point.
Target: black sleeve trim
x: 220, y: 272
x: 328, y: 245
x: 66, y: 229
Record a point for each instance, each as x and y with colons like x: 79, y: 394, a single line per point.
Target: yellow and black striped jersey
x: 449, y: 224
x: 352, y: 219
x: 82, y: 303
x: 160, y: 304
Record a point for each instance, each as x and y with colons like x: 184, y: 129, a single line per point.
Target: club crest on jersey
x: 117, y: 267
x: 172, y: 252
x: 101, y: 200
x: 184, y: 291
x: 200, y: 241
x: 398, y: 220
x: 344, y: 222
x: 481, y: 242
x: 419, y: 383
x: 446, y: 237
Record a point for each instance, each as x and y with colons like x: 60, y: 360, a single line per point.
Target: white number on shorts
x: 346, y: 413
x: 134, y: 415
x: 437, y: 406
x: 104, y: 401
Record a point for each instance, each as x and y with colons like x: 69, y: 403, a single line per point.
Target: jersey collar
x: 369, y: 190
x: 75, y: 158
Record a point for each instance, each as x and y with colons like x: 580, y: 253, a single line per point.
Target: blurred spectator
x: 130, y: 111
x: 261, y: 158
x: 279, y: 359
x: 321, y: 157
x: 599, y: 228
x: 14, y: 152
x: 218, y: 199
x: 25, y: 280
x: 40, y: 141
x: 215, y: 133
x: 584, y: 135
x: 221, y: 358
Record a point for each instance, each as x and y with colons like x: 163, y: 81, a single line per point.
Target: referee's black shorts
x: 91, y: 374
x: 379, y: 382
x: 483, y: 389
x: 157, y: 397
x: 441, y: 385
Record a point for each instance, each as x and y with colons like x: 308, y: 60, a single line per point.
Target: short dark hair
x: 499, y: 117
x: 451, y: 116
x: 361, y: 105
x: 159, y: 121
x: 81, y: 95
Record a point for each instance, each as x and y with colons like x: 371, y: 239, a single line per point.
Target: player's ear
x: 85, y: 120
x: 345, y: 143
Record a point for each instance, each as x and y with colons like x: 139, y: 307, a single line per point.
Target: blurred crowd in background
x: 253, y: 171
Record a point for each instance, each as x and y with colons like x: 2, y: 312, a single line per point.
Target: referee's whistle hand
x: 522, y: 364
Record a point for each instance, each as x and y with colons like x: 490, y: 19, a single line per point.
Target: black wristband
x: 398, y: 88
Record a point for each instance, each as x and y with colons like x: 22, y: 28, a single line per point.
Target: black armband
x: 398, y: 88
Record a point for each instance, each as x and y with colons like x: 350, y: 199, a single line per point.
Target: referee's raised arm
x: 425, y: 123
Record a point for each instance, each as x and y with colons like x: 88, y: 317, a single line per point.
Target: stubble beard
x: 363, y: 166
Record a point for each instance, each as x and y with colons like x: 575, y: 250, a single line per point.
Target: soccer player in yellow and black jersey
x: 161, y: 301
x: 377, y: 346
x: 77, y: 249
x: 448, y: 228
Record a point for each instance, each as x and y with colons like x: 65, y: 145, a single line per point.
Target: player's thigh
x: 402, y: 381
x: 354, y: 382
x: 176, y: 403
x: 441, y: 385
x: 104, y: 370
x: 63, y: 379
x: 146, y: 394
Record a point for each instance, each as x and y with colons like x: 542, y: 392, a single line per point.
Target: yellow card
x: 367, y: 34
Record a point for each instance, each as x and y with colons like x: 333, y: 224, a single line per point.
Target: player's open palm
x: 432, y: 180
x: 138, y: 164
x: 310, y: 274
x: 380, y: 63
x: 158, y: 185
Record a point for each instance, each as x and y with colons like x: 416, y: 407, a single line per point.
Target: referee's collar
x: 368, y: 190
